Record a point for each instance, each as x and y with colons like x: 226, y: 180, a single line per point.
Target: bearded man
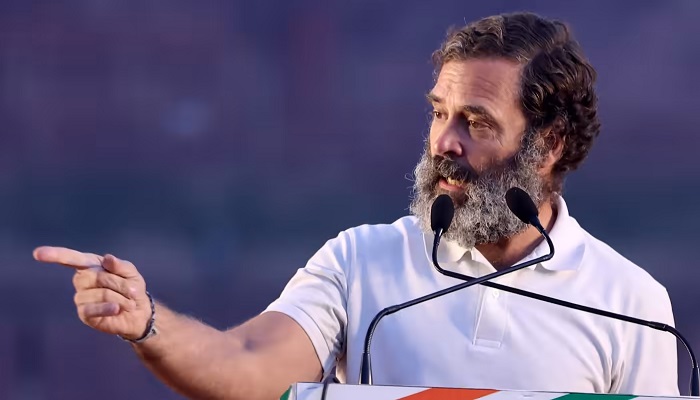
x: 513, y: 106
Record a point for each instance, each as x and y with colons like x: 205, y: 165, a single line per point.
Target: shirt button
x: 495, y: 293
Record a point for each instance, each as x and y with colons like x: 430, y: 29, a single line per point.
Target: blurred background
x: 218, y: 144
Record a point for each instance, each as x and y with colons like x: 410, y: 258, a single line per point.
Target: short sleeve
x: 316, y: 298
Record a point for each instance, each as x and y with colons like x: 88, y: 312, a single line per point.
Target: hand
x: 110, y: 294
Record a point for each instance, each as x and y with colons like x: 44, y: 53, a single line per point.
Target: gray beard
x: 481, y: 214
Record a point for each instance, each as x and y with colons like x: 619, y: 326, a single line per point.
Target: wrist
x: 150, y: 325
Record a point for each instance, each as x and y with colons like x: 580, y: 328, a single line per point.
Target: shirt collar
x: 566, y: 234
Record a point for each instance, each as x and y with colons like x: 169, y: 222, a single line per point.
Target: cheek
x: 432, y: 136
x: 498, y: 151
x: 482, y: 156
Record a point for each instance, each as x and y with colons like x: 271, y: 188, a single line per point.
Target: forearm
x: 257, y: 360
x: 200, y: 361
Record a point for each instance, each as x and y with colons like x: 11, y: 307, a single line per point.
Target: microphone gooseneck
x: 366, y: 363
x: 520, y: 203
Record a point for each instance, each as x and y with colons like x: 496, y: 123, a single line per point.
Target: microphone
x: 441, y: 214
x: 443, y: 210
x: 366, y: 363
x: 520, y: 203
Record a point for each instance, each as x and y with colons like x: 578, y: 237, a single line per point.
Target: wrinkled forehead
x: 490, y: 79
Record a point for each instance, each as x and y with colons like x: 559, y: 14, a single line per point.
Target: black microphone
x: 441, y: 214
x: 520, y: 203
x: 443, y: 210
x: 366, y: 363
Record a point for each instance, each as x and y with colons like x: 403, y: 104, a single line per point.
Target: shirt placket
x: 492, y: 314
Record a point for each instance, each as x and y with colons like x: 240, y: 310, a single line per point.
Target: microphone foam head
x: 441, y: 213
x: 521, y: 204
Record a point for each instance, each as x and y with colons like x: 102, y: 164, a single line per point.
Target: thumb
x: 122, y: 268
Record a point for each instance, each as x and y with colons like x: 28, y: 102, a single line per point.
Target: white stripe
x: 312, y: 391
x: 522, y: 395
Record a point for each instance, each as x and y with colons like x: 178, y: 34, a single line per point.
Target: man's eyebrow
x: 433, y: 98
x: 482, y: 113
x: 475, y: 110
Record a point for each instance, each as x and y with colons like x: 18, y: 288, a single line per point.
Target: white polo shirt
x: 481, y: 337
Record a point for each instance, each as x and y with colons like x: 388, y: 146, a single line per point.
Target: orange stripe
x: 449, y: 394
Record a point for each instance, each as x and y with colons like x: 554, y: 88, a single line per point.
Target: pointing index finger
x: 68, y: 257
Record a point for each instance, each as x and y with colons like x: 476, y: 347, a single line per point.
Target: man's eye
x: 437, y: 114
x: 477, y: 125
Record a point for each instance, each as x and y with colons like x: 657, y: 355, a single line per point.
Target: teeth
x: 455, y: 182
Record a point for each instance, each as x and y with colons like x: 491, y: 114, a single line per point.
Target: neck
x: 507, y: 252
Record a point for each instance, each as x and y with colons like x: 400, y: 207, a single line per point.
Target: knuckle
x: 104, y: 279
x: 110, y: 281
x: 93, y: 271
x: 83, y: 279
x: 124, y: 288
x: 77, y: 278
x: 105, y: 295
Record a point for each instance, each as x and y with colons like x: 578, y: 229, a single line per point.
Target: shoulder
x: 599, y: 264
x: 372, y: 239
x: 400, y: 229
x: 630, y: 287
x: 607, y: 262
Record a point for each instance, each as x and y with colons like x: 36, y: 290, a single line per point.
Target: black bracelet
x: 150, y: 328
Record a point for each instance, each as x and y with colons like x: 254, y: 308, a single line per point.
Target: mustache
x: 448, y: 168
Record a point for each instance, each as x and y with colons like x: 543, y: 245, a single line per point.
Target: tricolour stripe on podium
x: 312, y: 391
x: 485, y: 394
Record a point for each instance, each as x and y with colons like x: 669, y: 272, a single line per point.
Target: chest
x: 477, y: 337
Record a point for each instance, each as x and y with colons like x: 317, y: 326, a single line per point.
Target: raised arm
x: 257, y: 360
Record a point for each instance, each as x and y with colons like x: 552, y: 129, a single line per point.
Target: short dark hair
x: 556, y: 89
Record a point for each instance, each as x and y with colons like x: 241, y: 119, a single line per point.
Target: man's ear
x: 553, y: 144
x: 555, y: 152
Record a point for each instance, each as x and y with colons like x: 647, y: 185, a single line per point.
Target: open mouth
x: 456, y: 182
x: 452, y: 185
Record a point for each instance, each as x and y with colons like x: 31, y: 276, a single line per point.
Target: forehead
x: 490, y: 83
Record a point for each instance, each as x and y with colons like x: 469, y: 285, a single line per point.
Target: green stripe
x: 285, y: 395
x: 591, y: 396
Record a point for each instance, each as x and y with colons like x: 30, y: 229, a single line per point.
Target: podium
x: 314, y: 391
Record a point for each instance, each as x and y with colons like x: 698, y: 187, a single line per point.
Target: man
x: 513, y: 105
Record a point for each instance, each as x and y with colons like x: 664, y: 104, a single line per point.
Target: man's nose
x: 448, y: 142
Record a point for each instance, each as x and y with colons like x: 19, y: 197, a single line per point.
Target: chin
x: 458, y: 198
